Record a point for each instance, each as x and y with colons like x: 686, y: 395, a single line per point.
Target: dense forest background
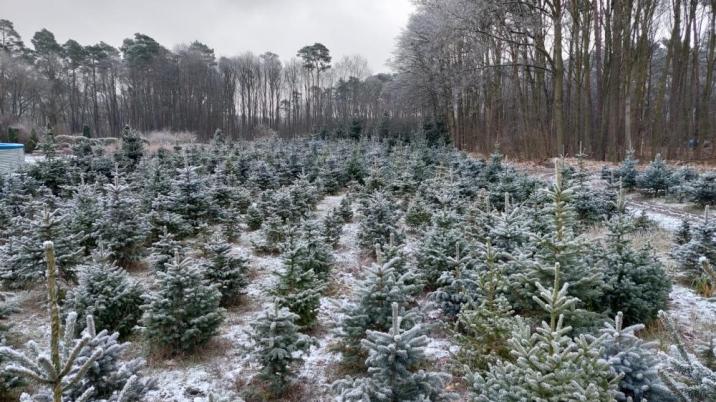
x: 539, y: 77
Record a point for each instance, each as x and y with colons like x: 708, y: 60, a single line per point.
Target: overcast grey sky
x: 367, y: 27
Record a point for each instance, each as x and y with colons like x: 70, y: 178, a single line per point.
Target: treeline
x: 544, y: 76
x: 97, y: 89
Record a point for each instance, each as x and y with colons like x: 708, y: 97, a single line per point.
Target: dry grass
x: 168, y: 139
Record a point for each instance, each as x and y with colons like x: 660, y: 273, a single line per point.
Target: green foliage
x: 635, y: 281
x: 627, y: 172
x: 60, y: 368
x: 485, y: 326
x: 254, y: 218
x: 548, y: 364
x: 656, y: 177
x: 701, y: 244
x: 332, y: 227
x: 131, y: 150
x: 435, y: 252
x: 107, y: 293
x: 371, y: 308
x: 277, y: 346
x: 120, y: 228
x: 394, y: 365
x: 635, y: 361
x: 184, y: 313
x: 688, y: 378
x: 23, y: 257
x: 378, y: 222
x: 345, y: 209
x: 418, y: 213
x: 299, y: 287
x: 225, y: 269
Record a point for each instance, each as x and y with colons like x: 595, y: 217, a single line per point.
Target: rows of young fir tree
x: 538, y: 311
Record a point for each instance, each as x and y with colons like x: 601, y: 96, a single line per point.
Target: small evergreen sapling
x: 278, y: 345
x: 164, y: 250
x: 299, y: 288
x: 688, y: 378
x: 345, y: 209
x: 371, y: 308
x: 434, y: 253
x: 627, y: 172
x: 456, y: 286
x: 254, y: 218
x: 22, y: 255
x: 485, y: 327
x: 107, y: 293
x: 656, y: 177
x: 701, y: 244
x: 110, y: 378
x: 120, y: 228
x: 418, y: 213
x: 56, y: 370
x: 379, y: 220
x: 184, y: 312
x: 635, y: 360
x: 332, y: 228
x: 225, y: 270
x: 548, y: 365
x: 635, y: 281
x: 319, y: 256
x: 394, y: 365
x: 683, y: 233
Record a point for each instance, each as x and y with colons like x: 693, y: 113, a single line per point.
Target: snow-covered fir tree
x: 83, y: 213
x: 106, y: 292
x: 189, y: 198
x: 371, y: 306
x: 345, y: 209
x: 226, y: 270
x: 120, y: 228
x: 131, y: 150
x: 262, y: 175
x: 278, y: 345
x: 635, y: 281
x: 418, y: 213
x: 688, y: 378
x: 507, y: 230
x: 591, y: 204
x: 547, y: 364
x: 319, y: 255
x: 379, y: 220
x: 109, y: 377
x: 635, y: 360
x: 54, y: 370
x: 183, y: 313
x: 701, y: 244
x: 298, y: 288
x: 485, y: 325
x: 164, y: 250
x: 23, y: 258
x: 627, y: 173
x: 436, y: 249
x: 332, y: 227
x: 254, y: 217
x: 656, y: 177
x: 683, y: 233
x: 456, y: 286
x: 274, y: 232
x: 559, y: 244
x: 702, y: 191
x: 395, y: 367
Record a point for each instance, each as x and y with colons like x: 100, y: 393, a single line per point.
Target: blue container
x: 12, y: 156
